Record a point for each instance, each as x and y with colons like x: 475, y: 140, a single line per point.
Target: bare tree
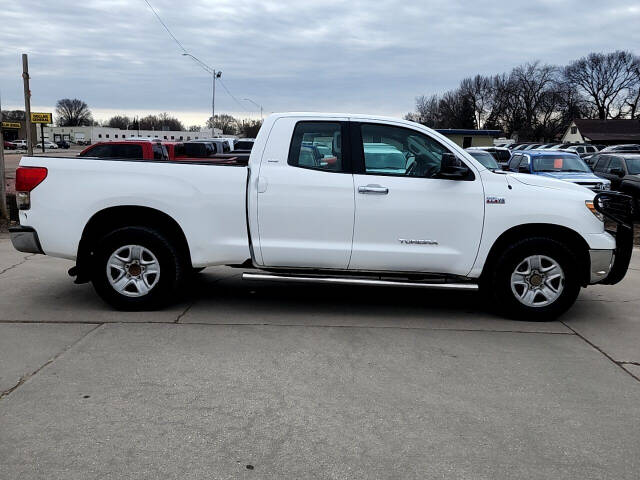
x: 73, y: 113
x: 250, y: 128
x: 426, y: 111
x: 455, y: 110
x: 118, y: 121
x: 479, y: 90
x: 632, y: 102
x: 605, y: 80
x: 161, y: 122
x: 224, y: 122
x: 194, y: 128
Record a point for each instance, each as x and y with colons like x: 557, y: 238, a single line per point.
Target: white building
x: 108, y: 134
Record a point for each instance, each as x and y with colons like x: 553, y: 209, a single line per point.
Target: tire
x: 144, y: 277
x: 535, y: 279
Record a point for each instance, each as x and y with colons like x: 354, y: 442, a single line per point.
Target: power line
x: 184, y: 50
x: 165, y: 26
x: 232, y: 96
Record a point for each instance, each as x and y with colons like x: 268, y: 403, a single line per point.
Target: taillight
x: 27, y: 178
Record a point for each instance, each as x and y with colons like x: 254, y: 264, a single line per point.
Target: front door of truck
x: 305, y: 198
x: 409, y: 218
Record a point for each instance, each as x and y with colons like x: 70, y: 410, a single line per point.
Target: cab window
x: 398, y: 151
x: 317, y: 146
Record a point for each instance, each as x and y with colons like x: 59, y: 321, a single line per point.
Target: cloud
x: 305, y: 55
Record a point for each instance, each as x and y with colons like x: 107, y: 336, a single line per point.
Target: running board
x: 358, y: 281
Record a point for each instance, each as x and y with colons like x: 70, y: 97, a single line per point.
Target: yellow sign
x: 10, y: 125
x: 41, y: 117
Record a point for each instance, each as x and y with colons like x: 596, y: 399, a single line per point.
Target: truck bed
x: 206, y: 199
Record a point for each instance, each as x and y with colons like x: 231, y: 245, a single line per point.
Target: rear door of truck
x: 305, y: 199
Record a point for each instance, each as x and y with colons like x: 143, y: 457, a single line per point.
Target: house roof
x: 614, y: 129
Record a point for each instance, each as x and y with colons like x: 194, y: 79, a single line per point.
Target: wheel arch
x: 111, y: 218
x: 576, y: 242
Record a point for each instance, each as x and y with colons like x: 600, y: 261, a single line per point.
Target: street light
x: 259, y: 106
x: 214, y: 75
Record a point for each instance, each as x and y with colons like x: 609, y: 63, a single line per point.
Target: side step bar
x: 358, y: 281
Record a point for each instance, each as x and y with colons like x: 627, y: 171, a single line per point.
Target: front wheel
x: 534, y: 279
x: 137, y: 268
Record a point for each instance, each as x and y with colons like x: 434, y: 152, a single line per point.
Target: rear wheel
x: 533, y: 279
x: 137, y: 268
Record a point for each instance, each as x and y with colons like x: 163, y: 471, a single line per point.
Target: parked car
x: 621, y: 169
x: 565, y: 166
x: 528, y: 242
x: 630, y: 147
x: 244, y: 145
x: 63, y: 144
x: 20, y: 144
x: 138, y: 149
x: 47, y: 144
x: 9, y: 145
x: 501, y: 154
x: 484, y: 157
x: 582, y: 150
x: 222, y: 145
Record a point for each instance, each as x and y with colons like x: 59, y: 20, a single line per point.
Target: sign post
x: 27, y: 101
x: 4, y: 212
x: 42, y: 119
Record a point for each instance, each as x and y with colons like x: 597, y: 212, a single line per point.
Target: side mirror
x: 452, y: 167
x: 617, y: 171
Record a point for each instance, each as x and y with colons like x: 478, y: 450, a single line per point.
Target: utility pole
x: 214, y: 75
x: 27, y: 102
x: 257, y: 105
x: 4, y: 212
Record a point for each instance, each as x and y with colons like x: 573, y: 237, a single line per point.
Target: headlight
x: 589, y: 204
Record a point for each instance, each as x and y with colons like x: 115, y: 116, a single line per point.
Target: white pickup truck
x: 332, y: 198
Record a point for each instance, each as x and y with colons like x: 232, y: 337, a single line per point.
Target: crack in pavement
x: 24, y: 259
x: 26, y: 377
x: 609, y: 357
x: 195, y: 300
x: 630, y: 363
x: 179, y: 317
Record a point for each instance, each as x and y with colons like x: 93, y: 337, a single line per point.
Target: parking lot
x: 269, y: 381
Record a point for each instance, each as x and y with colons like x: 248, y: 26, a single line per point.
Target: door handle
x: 373, y: 189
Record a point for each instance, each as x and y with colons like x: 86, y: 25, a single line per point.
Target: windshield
x: 485, y: 158
x: 560, y: 163
x: 633, y: 165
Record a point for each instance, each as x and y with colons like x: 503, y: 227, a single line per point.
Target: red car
x: 143, y: 149
x: 9, y: 145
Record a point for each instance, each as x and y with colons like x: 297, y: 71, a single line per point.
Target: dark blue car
x: 560, y: 165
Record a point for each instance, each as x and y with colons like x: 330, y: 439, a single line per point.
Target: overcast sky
x: 371, y: 56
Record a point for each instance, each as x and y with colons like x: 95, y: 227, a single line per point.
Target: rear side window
x: 127, y: 151
x: 602, y: 163
x: 99, y: 151
x: 114, y: 151
x: 616, y: 162
x: 318, y: 146
x: 159, y: 152
x: 503, y: 155
x: 515, y: 160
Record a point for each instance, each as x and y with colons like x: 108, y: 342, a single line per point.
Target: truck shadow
x: 221, y: 297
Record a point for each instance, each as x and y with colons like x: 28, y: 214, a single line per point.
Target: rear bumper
x: 25, y: 239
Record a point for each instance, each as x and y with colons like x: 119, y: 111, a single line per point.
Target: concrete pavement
x: 262, y: 381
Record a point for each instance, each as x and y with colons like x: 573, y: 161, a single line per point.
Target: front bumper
x: 624, y: 211
x: 25, y: 239
x: 601, y: 263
